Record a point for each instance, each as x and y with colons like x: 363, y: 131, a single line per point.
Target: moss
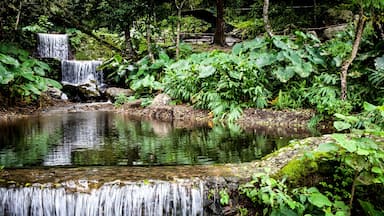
x: 298, y: 170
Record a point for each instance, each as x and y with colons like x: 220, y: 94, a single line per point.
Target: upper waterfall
x: 53, y: 46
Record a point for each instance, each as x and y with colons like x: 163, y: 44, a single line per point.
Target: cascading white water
x: 80, y: 72
x: 53, y: 46
x: 135, y: 199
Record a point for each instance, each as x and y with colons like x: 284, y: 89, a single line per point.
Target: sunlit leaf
x: 9, y: 60
x: 341, y: 125
x: 319, y: 200
x: 206, y: 71
x: 328, y: 147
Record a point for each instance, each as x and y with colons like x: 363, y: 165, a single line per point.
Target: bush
x: 21, y: 76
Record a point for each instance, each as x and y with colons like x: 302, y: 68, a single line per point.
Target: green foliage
x: 369, y: 209
x: 43, y: 25
x: 247, y: 77
x: 86, y: 47
x: 21, y: 76
x: 224, y: 197
x: 142, y: 76
x: 190, y: 24
x: 377, y: 75
x: 250, y: 28
x: 277, y: 199
x: 122, y: 99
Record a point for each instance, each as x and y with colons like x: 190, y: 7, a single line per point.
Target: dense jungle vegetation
x: 286, y: 61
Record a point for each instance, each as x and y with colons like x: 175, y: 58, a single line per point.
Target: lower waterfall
x: 133, y: 199
x: 80, y: 72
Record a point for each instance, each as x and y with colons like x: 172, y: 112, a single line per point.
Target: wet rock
x: 82, y: 93
x: 161, y: 100
x: 56, y: 93
x: 113, y: 92
x: 89, y: 90
x: 333, y: 30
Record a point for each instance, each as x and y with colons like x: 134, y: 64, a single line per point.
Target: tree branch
x: 355, y: 48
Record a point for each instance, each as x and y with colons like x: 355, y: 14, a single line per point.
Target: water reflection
x: 102, y: 138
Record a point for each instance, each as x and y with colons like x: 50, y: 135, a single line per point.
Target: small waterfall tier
x: 53, y: 46
x: 143, y: 198
x: 81, y: 72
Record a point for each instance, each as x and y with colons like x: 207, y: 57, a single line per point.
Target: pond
x: 114, y: 139
x: 106, y: 163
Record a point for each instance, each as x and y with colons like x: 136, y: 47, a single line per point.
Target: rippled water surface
x: 106, y: 138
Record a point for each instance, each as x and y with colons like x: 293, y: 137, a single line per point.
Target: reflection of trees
x: 111, y: 139
x: 140, y: 143
x: 28, y: 142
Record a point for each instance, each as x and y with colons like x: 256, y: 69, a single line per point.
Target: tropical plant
x: 142, y: 76
x: 21, y: 76
x: 249, y: 76
x: 276, y: 198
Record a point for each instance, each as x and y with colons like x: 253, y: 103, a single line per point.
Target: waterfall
x: 80, y: 72
x: 132, y: 199
x: 53, y: 46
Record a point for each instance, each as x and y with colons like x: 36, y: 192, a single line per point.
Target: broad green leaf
x: 206, y: 71
x: 28, y: 75
x: 280, y: 44
x: 29, y: 63
x: 328, y: 147
x: 293, y: 57
x: 369, y: 209
x: 118, y: 58
x: 32, y: 88
x: 284, y: 74
x: 338, y: 61
x: 319, y: 200
x: 54, y: 83
x: 345, y: 142
x: 43, y: 65
x: 236, y: 50
x: 341, y: 125
x: 235, y: 75
x: 39, y: 71
x: 369, y: 107
x: 306, y: 70
x: 163, y: 56
x: 264, y: 59
x: 5, y: 76
x: 9, y: 60
x: 379, y: 63
x: 377, y: 170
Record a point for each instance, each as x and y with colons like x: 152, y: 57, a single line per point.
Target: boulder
x: 84, y: 92
x: 113, y: 92
x: 89, y: 90
x: 333, y: 30
x: 56, y: 93
x: 161, y: 100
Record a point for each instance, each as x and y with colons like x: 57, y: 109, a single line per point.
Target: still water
x: 109, y: 139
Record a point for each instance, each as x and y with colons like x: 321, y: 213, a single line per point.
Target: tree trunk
x: 178, y: 33
x: 219, y: 38
x: 179, y: 8
x: 149, y: 32
x: 18, y: 15
x: 128, y: 42
x: 267, y: 25
x: 355, y: 48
